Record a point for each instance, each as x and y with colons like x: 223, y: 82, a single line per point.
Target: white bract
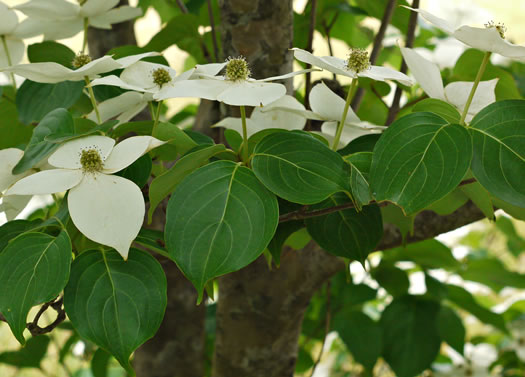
x: 11, y: 34
x: 489, y: 38
x: 11, y: 205
x: 58, y: 19
x: 428, y: 76
x: 476, y: 364
x: 328, y: 107
x: 52, y: 73
x: 235, y: 88
x: 107, y: 209
x: 340, y: 67
x: 273, y: 116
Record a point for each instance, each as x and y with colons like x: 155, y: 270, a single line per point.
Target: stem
x: 157, y: 114
x: 92, y: 97
x: 484, y: 63
x: 9, y: 61
x: 339, y: 131
x: 313, y: 12
x: 244, y: 135
x: 85, y: 40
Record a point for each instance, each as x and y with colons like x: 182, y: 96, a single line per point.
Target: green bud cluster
x: 358, y: 60
x: 91, y: 161
x: 161, y: 77
x: 501, y: 28
x: 81, y: 60
x: 237, y: 69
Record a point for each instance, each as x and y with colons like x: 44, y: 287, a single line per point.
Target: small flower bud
x: 501, y: 28
x: 91, y: 161
x: 81, y: 60
x: 237, y: 69
x: 358, y: 60
x: 161, y: 77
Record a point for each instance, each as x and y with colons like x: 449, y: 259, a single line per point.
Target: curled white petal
x: 384, y: 73
x: 489, y: 39
x: 124, y: 107
x: 457, y: 94
x: 140, y: 75
x: 107, y: 209
x: 128, y: 151
x: 67, y: 156
x: 115, y: 16
x: 328, y: 104
x: 95, y: 7
x: 434, y: 20
x: 207, y: 89
x: 46, y: 182
x: 275, y: 118
x: 12, y: 205
x: 8, y: 159
x: 49, y: 9
x: 427, y: 74
x: 9, y: 20
x: 247, y: 93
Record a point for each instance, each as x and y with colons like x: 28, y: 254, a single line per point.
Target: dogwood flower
x: 124, y: 107
x: 491, y: 38
x: 107, y: 209
x: 234, y: 88
x: 476, y: 363
x: 428, y: 76
x: 272, y: 117
x: 328, y: 107
x: 59, y: 19
x: 12, y: 46
x: 50, y: 72
x: 347, y: 67
x: 11, y: 205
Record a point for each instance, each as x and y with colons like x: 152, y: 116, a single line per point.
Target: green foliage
x: 29, y: 356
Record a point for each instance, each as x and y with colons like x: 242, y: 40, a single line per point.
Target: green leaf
x: 139, y: 171
x: 493, y: 273
x: 418, y: 160
x: 345, y: 294
x: 361, y: 335
x: 11, y: 229
x: 35, y: 100
x: 100, y: 363
x: 428, y: 254
x: 57, y: 121
x: 440, y: 108
x: 152, y: 240
x: 393, y: 214
x: 116, y: 304
x: 35, y: 269
x: 393, y: 279
x: 49, y: 51
x: 449, y: 203
x: 451, y: 329
x: 14, y: 133
x: 360, y: 164
x: 512, y: 210
x: 515, y: 243
x: 365, y: 143
x: 219, y: 219
x: 29, y: 356
x: 464, y: 299
x: 284, y: 230
x: 299, y: 168
x: 82, y: 127
x: 499, y: 150
x: 347, y: 233
x: 410, y: 336
x: 480, y: 197
x: 178, y: 141
x: 164, y: 184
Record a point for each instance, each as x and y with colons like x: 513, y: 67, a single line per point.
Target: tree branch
x: 411, y: 32
x: 313, y: 12
x: 61, y: 316
x: 378, y: 44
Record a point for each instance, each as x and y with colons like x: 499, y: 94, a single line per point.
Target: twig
x: 378, y: 44
x: 313, y: 11
x: 378, y: 95
x: 304, y: 214
x: 411, y: 32
x: 61, y: 316
x: 327, y: 30
x: 204, y: 49
x: 326, y: 327
x: 213, y: 34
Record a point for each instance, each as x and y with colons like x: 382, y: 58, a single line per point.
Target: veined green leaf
x: 360, y: 164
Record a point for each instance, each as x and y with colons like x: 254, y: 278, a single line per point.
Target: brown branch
x: 61, y: 316
x: 303, y: 213
x: 313, y: 12
x: 213, y: 34
x: 378, y: 44
x: 411, y: 32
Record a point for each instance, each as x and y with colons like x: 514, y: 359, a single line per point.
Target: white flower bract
x: 11, y: 34
x: 106, y: 208
x: 14, y: 204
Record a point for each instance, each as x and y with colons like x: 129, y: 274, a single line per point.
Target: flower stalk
x: 93, y: 100
x: 9, y: 61
x: 482, y: 67
x: 351, y: 91
x: 157, y: 114
x: 244, y: 148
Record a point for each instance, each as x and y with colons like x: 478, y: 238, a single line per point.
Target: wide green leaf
x: 14, y: 133
x: 499, y: 150
x: 49, y: 51
x: 393, y: 279
x: 299, y: 168
x: 360, y: 164
x: 35, y: 269
x: 347, y: 233
x: 29, y: 356
x: 438, y: 107
x: 451, y: 329
x: 361, y: 335
x: 13, y: 228
x: 428, y: 254
x: 219, y: 219
x: 116, y: 304
x: 35, y: 100
x: 418, y: 160
x: 493, y: 273
x: 410, y: 335
x: 57, y: 121
x: 283, y: 231
x: 165, y: 183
